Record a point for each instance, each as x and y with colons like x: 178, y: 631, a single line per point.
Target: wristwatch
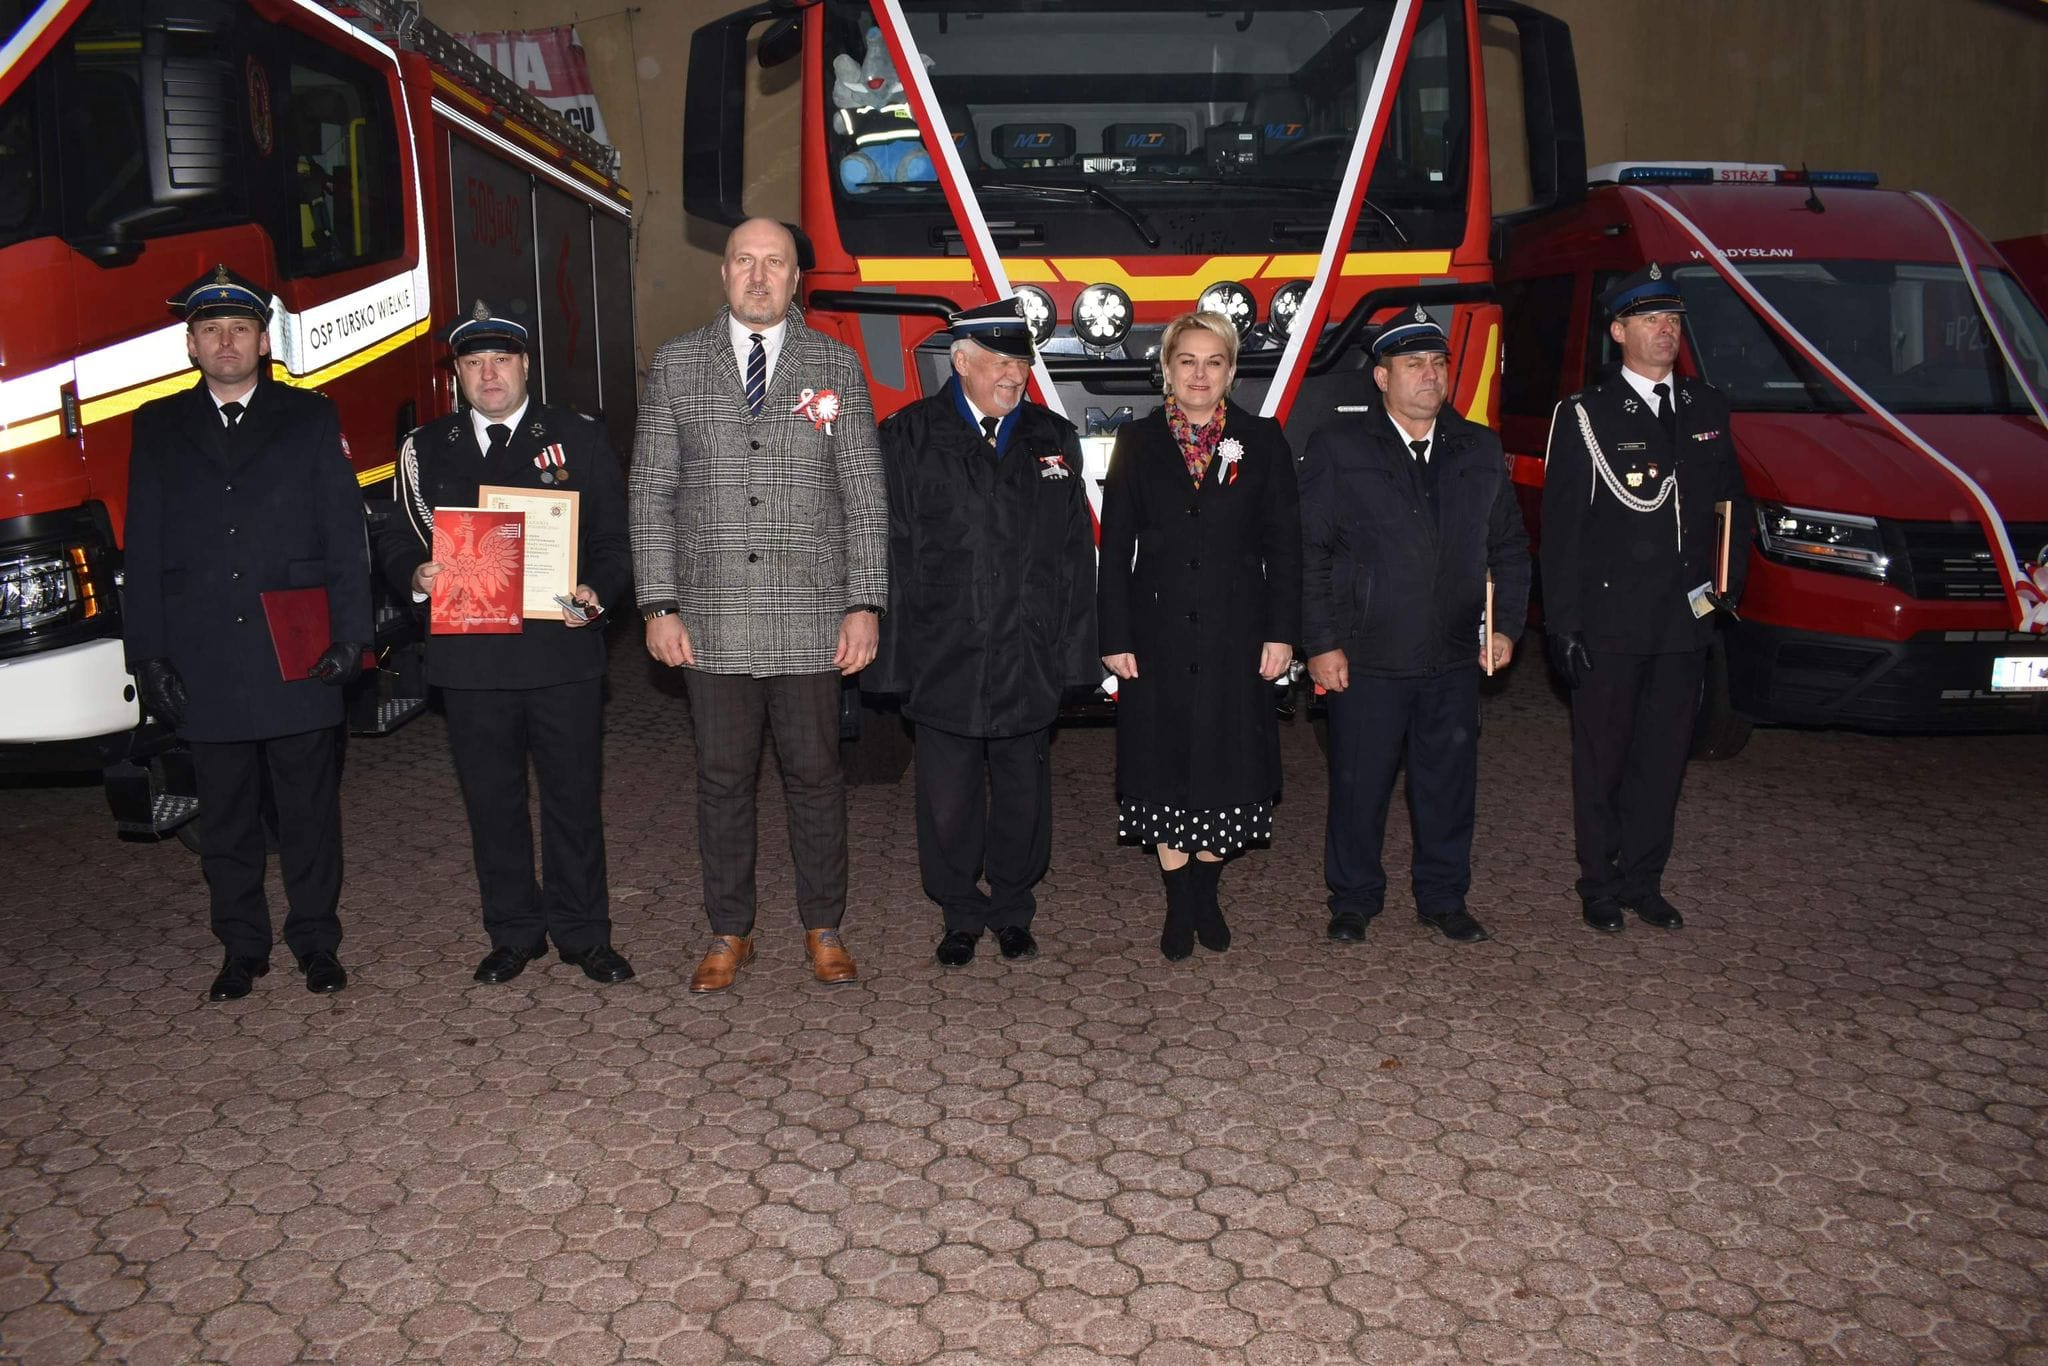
x: 658, y: 612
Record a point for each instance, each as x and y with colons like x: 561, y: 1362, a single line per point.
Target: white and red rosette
x: 821, y: 406
x: 1230, y: 451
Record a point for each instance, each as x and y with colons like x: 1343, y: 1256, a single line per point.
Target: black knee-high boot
x: 1177, y: 940
x: 1210, y: 926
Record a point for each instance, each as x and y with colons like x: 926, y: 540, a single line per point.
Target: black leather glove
x: 341, y: 665
x: 1568, y: 655
x: 1722, y: 603
x: 162, y: 691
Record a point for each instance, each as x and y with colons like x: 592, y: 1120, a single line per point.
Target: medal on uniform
x: 1634, y: 478
x: 553, y: 465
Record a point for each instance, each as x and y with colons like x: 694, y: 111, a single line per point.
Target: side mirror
x: 116, y: 245
x: 781, y: 43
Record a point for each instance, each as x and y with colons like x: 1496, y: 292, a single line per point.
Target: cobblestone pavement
x: 1808, y: 1127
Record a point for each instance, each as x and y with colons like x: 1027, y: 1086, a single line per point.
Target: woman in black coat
x: 1199, y: 598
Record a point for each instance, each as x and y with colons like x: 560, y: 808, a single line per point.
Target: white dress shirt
x: 1429, y: 439
x: 1642, y: 385
x: 743, y: 344
x: 482, y: 425
x: 241, y: 398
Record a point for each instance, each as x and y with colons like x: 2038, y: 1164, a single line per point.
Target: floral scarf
x: 1197, y: 444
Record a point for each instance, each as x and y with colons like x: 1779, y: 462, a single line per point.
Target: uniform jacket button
x: 753, y: 502
x: 1194, y: 668
x: 751, y: 557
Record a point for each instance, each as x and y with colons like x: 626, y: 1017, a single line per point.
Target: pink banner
x: 549, y: 63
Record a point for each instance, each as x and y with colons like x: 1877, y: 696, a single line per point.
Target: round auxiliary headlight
x: 1233, y: 301
x: 1287, y: 303
x: 1102, y: 315
x: 1038, y: 312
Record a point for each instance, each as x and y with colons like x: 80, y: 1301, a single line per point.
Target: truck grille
x: 1951, y: 561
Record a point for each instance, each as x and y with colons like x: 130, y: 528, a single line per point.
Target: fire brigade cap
x: 999, y: 326
x: 1413, y: 334
x: 1649, y: 290
x: 481, y: 331
x: 220, y: 293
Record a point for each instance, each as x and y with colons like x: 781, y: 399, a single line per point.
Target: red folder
x: 299, y: 631
x: 482, y: 583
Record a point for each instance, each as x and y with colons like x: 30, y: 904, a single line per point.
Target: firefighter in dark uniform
x: 536, y: 693
x: 1636, y: 466
x: 991, y: 617
x: 1407, y: 510
x: 237, y: 487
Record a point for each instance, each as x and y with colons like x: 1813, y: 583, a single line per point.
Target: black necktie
x: 988, y: 428
x: 501, y: 437
x: 757, y: 376
x: 231, y: 413
x: 1426, y: 468
x: 1666, y: 414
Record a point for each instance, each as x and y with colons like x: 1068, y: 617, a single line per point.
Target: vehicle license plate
x: 2019, y: 673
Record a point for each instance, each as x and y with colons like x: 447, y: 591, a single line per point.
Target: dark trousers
x: 1437, y: 720
x: 493, y: 731
x: 730, y: 714
x: 1632, y: 720
x: 983, y: 806
x: 305, y: 785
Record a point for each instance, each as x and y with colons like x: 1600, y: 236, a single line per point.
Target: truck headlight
x: 45, y: 586
x: 1842, y: 541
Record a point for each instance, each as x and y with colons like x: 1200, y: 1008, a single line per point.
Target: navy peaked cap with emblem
x: 1410, y: 334
x: 483, y: 331
x: 999, y: 326
x: 221, y: 293
x: 1649, y: 290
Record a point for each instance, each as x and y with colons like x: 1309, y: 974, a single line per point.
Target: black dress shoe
x: 504, y: 962
x: 324, y: 973
x: 237, y: 976
x: 956, y: 950
x: 1653, y: 910
x: 1456, y: 926
x: 1016, y: 942
x: 1604, y: 913
x: 1347, y: 927
x: 603, y: 963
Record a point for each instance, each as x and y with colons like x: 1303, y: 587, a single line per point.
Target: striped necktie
x: 757, y: 376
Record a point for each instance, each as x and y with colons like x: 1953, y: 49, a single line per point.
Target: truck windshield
x: 1139, y: 126
x: 1909, y: 333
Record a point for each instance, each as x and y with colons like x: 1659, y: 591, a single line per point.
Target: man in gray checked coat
x: 760, y: 526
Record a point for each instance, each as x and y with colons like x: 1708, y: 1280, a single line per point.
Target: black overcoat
x: 1612, y: 569
x: 442, y: 466
x: 1398, y: 586
x: 991, y: 570
x: 215, y: 519
x: 1193, y: 582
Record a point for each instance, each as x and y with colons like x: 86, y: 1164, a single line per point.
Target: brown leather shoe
x: 722, y: 961
x: 830, y: 962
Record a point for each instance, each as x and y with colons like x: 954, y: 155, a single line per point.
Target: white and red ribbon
x: 2023, y: 595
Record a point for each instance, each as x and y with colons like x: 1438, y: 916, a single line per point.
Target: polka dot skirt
x: 1225, y: 830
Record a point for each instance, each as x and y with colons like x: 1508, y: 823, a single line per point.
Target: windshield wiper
x: 1101, y: 196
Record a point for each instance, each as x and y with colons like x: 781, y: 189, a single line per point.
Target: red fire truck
x: 1874, y: 597
x: 1134, y: 157
x: 361, y: 163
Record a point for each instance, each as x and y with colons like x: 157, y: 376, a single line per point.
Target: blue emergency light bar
x: 1724, y: 173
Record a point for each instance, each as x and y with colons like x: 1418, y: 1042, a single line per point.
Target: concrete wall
x: 1947, y: 97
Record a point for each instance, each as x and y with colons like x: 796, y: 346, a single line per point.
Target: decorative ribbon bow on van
x: 821, y: 406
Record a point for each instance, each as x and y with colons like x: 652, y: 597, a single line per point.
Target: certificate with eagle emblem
x: 481, y: 586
